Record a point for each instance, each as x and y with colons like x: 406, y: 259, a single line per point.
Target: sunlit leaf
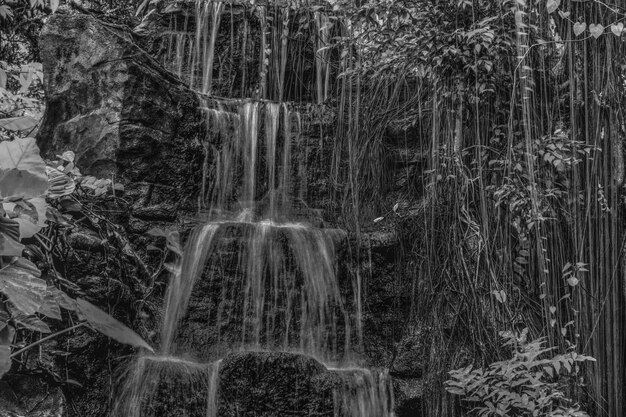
x: 61, y: 298
x: 32, y: 323
x: 6, y: 338
x: 596, y: 30
x: 617, y: 28
x: 17, y: 124
x: 579, y: 27
x: 20, y: 283
x: 109, y: 326
x: 552, y: 5
x: 54, y: 5
x: 30, y: 216
x: 9, y: 238
x: 50, y: 307
x: 22, y: 170
x: 60, y: 184
x: 6, y: 13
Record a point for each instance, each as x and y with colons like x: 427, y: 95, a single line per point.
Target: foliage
x: 20, y: 23
x: 527, y: 384
x: 21, y: 98
x: 25, y: 298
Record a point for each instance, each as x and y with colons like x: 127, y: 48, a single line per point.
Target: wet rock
x: 157, y: 212
x: 283, y: 262
x: 123, y: 115
x: 380, y: 240
x: 86, y: 242
x: 412, y: 352
x: 30, y: 396
x: 408, y: 394
x: 274, y: 384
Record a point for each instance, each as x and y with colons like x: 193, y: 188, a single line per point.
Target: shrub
x: 530, y: 383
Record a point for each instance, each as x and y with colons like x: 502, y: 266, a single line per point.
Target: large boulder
x: 273, y: 384
x: 121, y: 113
x: 28, y: 396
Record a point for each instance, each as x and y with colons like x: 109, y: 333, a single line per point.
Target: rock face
x: 120, y: 112
x: 271, y: 384
x: 27, y: 396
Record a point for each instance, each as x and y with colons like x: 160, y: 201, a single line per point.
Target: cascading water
x: 251, y: 278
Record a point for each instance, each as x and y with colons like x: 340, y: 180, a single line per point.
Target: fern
x: 527, y: 384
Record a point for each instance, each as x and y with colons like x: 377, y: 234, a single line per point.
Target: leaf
x: 26, y: 82
x: 6, y: 13
x: 617, y: 29
x: 109, y: 326
x: 30, y: 216
x: 9, y: 236
x: 596, y: 30
x: 20, y: 282
x: 564, y: 15
x: 61, y: 298
x: 141, y: 7
x: 572, y: 281
x: 500, y: 296
x: 50, y: 307
x: 32, y: 323
x: 6, y: 337
x: 552, y: 5
x: 395, y: 207
x: 579, y: 27
x: 22, y: 170
x: 67, y: 156
x: 60, y: 184
x: 17, y: 124
x: 552, y: 309
x: 54, y: 5
x: 378, y: 219
x: 3, y: 76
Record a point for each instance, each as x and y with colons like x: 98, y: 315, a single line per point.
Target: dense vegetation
x: 516, y: 109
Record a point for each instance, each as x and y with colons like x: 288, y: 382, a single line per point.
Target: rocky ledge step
x: 263, y: 384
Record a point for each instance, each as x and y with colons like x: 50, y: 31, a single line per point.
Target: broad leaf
x: 20, y: 282
x: 32, y: 323
x: 60, y: 184
x: 6, y: 13
x: 54, y: 5
x: 617, y: 28
x: 50, y: 307
x: 109, y: 326
x: 6, y: 337
x: 596, y: 30
x: 30, y: 215
x: 22, y: 170
x: 4, y: 317
x: 579, y: 27
x: 552, y: 5
x: 17, y: 124
x: 62, y: 300
x: 9, y: 236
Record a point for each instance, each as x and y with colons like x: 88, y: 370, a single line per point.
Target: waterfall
x: 181, y: 285
x: 155, y: 386
x: 254, y: 276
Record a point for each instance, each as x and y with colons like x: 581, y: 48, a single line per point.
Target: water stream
x: 253, y: 276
